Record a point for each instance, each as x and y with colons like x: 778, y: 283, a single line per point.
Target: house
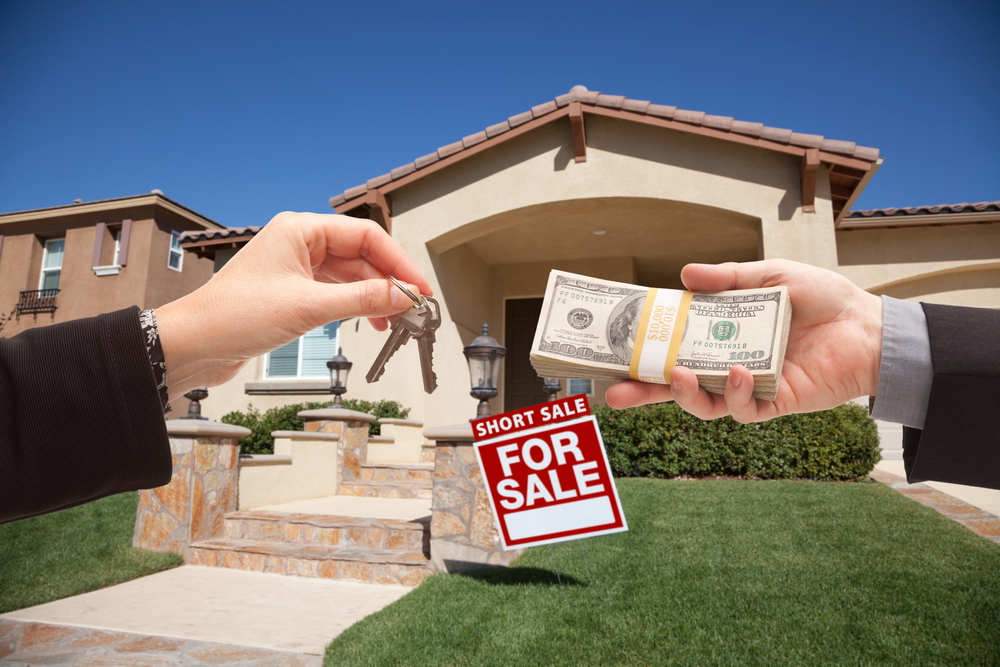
x: 67, y: 262
x: 620, y: 189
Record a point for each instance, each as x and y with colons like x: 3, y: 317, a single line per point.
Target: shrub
x: 664, y: 441
x: 286, y: 418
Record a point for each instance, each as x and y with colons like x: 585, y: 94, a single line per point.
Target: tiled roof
x: 640, y: 108
x: 981, y: 207
x: 218, y: 235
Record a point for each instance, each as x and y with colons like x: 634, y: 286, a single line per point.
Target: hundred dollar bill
x: 606, y: 330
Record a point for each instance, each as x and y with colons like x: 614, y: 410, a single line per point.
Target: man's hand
x: 833, y: 354
x: 301, y: 271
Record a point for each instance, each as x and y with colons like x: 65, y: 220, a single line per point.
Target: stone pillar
x: 203, y: 488
x: 352, y: 428
x: 463, y: 532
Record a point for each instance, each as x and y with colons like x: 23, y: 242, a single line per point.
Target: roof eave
x: 111, y: 205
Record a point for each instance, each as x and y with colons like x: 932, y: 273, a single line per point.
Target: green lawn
x: 717, y: 573
x: 73, y: 551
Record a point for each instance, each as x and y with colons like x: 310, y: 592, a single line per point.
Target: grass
x: 716, y: 573
x: 70, y: 552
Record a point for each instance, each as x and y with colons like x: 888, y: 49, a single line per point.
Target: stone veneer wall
x: 203, y: 488
x: 352, y: 428
x: 463, y: 531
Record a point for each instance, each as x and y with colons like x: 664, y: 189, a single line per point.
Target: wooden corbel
x: 809, y: 166
x: 379, y: 209
x: 579, y: 131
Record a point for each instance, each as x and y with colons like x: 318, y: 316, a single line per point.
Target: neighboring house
x: 625, y: 190
x: 67, y: 262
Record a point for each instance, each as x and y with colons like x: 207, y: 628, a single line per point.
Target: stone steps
x: 397, y: 472
x: 348, y: 563
x: 391, y: 480
x: 373, y: 489
x: 329, y: 530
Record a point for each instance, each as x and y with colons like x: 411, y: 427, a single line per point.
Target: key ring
x: 404, y: 290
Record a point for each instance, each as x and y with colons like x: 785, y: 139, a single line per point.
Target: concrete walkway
x: 295, y: 615
x: 23, y: 644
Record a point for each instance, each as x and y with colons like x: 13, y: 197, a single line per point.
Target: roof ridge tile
x: 724, y: 123
x: 473, y: 139
x: 776, y: 134
x: 543, y: 109
x: 636, y: 106
x: 690, y: 117
x: 662, y: 111
x: 611, y: 101
x: 806, y: 140
x: 399, y: 172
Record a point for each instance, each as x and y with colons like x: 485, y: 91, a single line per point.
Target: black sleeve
x: 960, y: 441
x: 80, y: 416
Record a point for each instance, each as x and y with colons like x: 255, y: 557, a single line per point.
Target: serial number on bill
x: 565, y: 296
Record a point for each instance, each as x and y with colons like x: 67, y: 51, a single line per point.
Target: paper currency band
x: 658, y: 338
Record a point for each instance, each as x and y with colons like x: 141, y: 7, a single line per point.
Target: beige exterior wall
x: 956, y: 265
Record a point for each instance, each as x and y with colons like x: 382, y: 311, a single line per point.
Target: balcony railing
x: 37, y: 301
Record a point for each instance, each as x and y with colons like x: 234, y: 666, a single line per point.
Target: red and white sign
x: 548, y: 474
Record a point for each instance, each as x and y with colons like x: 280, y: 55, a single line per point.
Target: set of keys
x: 420, y: 322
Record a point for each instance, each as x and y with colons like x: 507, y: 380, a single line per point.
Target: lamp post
x: 552, y: 387
x: 484, y: 355
x: 196, y: 396
x: 339, y: 368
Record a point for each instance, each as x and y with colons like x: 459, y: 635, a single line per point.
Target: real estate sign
x: 548, y: 474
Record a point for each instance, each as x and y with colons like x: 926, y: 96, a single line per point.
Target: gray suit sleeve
x: 906, y: 371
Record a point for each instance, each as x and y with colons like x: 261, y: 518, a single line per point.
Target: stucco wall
x: 956, y: 264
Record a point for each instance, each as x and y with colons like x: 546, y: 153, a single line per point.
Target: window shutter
x: 123, y: 248
x: 284, y: 361
x: 319, y: 346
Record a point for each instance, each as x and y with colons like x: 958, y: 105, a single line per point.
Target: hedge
x: 285, y: 418
x: 664, y: 441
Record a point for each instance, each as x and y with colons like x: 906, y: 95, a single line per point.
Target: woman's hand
x: 301, y: 271
x: 833, y: 354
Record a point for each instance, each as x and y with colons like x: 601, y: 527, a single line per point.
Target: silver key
x: 425, y: 346
x: 410, y: 325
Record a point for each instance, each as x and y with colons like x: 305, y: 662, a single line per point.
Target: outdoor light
x: 339, y: 368
x: 194, y: 407
x: 484, y: 355
x: 552, y: 386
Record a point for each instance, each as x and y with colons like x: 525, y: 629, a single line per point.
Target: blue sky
x: 240, y: 110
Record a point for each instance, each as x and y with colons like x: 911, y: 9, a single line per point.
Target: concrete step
x: 373, y: 566
x: 398, y: 472
x: 387, y: 489
x: 329, y: 530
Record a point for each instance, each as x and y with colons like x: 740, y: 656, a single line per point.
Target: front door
x: 522, y: 386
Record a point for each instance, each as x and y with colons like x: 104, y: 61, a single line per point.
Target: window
x: 118, y: 246
x: 176, y: 259
x: 304, y: 357
x: 52, y: 258
x: 581, y: 387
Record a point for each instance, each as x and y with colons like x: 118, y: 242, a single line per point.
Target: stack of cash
x: 605, y: 330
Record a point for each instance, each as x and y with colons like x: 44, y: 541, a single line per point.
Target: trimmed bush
x: 285, y: 418
x: 664, y: 441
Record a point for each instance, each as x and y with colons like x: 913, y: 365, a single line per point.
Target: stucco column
x: 463, y: 533
x: 352, y: 428
x: 203, y: 488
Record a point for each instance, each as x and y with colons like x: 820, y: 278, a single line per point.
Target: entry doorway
x: 521, y: 385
